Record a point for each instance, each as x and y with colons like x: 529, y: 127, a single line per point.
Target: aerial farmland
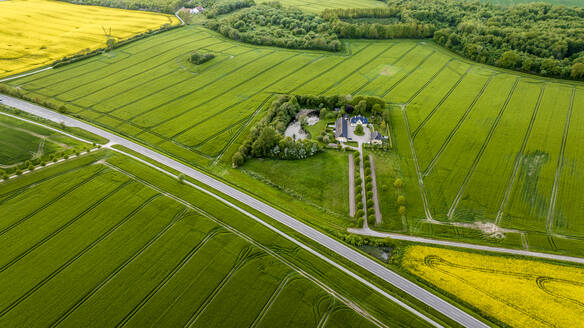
x: 234, y: 163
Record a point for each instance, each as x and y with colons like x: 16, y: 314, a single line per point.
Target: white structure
x: 359, y: 120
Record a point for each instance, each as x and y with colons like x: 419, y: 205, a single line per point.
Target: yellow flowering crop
x: 35, y: 33
x: 521, y: 293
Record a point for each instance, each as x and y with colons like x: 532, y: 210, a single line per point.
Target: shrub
x: 62, y: 109
x: 358, y: 189
x: 370, y: 204
x: 43, y: 163
x: 360, y: 222
x: 360, y: 213
x: 358, y: 181
x: 181, y: 178
x: 369, y: 186
x: 371, y: 219
x: 4, y: 176
x: 200, y: 58
x: 398, y: 183
x: 402, y: 210
x: 18, y: 171
x: 30, y: 167
x: 360, y: 205
x: 369, y: 194
x: 368, y: 179
x: 401, y: 200
x: 367, y: 171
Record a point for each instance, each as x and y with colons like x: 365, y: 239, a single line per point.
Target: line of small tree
x: 369, y: 191
x: 227, y: 7
x: 31, y: 164
x: 380, y: 12
x: 165, y: 6
x: 398, y: 184
x: 358, y: 241
x: 358, y: 190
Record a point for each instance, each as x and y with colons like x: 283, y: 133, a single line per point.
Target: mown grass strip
x: 408, y: 74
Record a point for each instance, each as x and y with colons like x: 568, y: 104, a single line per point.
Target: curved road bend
x: 363, y: 261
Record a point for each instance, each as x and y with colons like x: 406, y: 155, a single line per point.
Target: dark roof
x: 341, y: 128
x: 363, y: 119
x: 376, y: 135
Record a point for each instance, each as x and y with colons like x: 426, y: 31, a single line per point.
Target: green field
x: 22, y: 141
x: 491, y: 145
x: 105, y: 247
x: 570, y: 3
x: 318, y: 6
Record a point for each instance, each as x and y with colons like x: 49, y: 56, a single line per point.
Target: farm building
x: 341, y: 129
x: 362, y: 120
x: 376, y: 138
x: 194, y: 11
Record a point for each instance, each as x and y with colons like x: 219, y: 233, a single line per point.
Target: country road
x: 347, y: 252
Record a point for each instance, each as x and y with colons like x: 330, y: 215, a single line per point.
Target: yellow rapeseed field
x: 520, y: 293
x: 35, y: 33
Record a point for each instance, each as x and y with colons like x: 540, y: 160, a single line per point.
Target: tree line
x: 272, y: 25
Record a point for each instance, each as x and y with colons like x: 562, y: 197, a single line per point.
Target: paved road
x: 350, y: 254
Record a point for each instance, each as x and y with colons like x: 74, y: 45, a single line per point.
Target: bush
x: 200, y: 58
x: 5, y: 176
x: 359, y: 205
x: 358, y: 181
x: 370, y: 204
x: 402, y: 210
x: 181, y: 178
x: 18, y: 171
x: 30, y: 167
x: 369, y: 186
x: 358, y: 189
x: 360, y: 222
x: 371, y: 220
x: 369, y: 194
x: 367, y: 171
x: 401, y: 200
x: 398, y: 183
x: 359, y: 130
x: 368, y: 179
x: 360, y: 213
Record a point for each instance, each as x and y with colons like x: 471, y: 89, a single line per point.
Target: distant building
x: 194, y: 11
x: 376, y: 138
x: 341, y: 129
x: 359, y: 120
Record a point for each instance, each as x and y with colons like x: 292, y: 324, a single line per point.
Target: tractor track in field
x: 334, y: 294
x: 378, y: 75
x: 266, y: 308
x: 167, y: 87
x: 14, y: 193
x: 458, y: 125
x: 63, y: 227
x: 146, y: 71
x: 328, y: 69
x: 114, y: 273
x: 356, y: 70
x: 238, y: 133
x: 165, y: 52
x: 417, y: 166
x: 99, y: 68
x: 251, y: 96
x: 221, y: 94
x: 442, y: 101
x: 408, y: 74
x: 417, y: 93
x: 245, y: 255
x: 482, y: 150
x: 220, y: 132
x: 170, y: 275
x: 76, y: 256
x: 325, y: 316
x: 559, y: 166
x: 51, y: 202
x: 519, y: 157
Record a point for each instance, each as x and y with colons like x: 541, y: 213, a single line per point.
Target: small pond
x: 383, y: 253
x: 295, y: 130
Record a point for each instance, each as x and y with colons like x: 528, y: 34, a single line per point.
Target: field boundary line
x: 114, y: 273
x: 482, y: 150
x: 519, y: 157
x: 457, y: 126
x: 324, y: 318
x: 417, y: 166
x: 238, y: 133
x: 79, y: 254
x: 63, y: 227
x: 442, y: 101
x: 559, y: 166
x: 417, y: 93
x: 410, y: 72
x: 266, y: 308
x: 51, y: 202
x: 379, y: 74
x: 25, y: 74
x: 220, y: 132
x: 322, y: 285
x: 186, y: 258
x: 356, y: 70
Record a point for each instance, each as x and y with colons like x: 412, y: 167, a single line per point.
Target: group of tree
x: 266, y: 138
x: 225, y: 7
x: 536, y: 38
x: 198, y: 58
x: 165, y: 6
x: 271, y: 25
